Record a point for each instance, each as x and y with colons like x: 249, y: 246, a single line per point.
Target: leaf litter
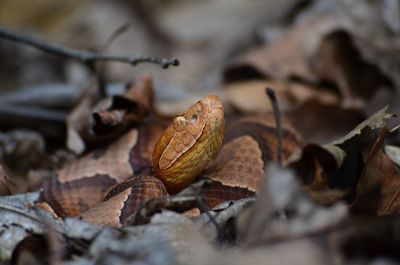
x: 335, y: 201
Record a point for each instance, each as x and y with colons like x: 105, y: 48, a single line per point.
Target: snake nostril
x: 180, y: 122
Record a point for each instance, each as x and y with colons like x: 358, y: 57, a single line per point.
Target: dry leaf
x: 323, y: 123
x: 113, y: 116
x: 353, y: 144
x: 393, y: 152
x: 329, y: 49
x: 283, y: 211
x: 249, y: 95
x: 289, y: 56
x: 79, y: 137
x: 340, y: 62
x: 121, y: 112
x: 313, y: 164
x: 376, y: 121
x: 379, y: 185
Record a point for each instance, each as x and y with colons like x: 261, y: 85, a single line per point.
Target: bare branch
x: 21, y: 212
x: 83, y: 56
x: 114, y: 35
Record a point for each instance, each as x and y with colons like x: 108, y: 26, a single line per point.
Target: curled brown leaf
x: 123, y: 111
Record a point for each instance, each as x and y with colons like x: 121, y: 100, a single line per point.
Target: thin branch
x: 114, y: 35
x: 83, y: 56
x: 50, y: 123
x: 153, y: 206
x: 271, y: 94
x: 204, y: 208
x: 9, y: 208
x: 100, y: 69
x: 145, y: 13
x: 14, y: 114
x: 196, y: 190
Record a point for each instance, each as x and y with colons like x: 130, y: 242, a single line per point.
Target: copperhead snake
x: 107, y: 185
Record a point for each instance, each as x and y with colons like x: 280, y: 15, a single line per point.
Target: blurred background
x: 332, y: 63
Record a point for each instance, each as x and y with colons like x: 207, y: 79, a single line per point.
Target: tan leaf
x: 376, y: 121
x: 249, y: 96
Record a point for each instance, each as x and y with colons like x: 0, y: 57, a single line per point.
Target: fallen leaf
x: 289, y: 56
x: 340, y: 62
x: 379, y: 184
x: 376, y: 121
x: 249, y: 95
x: 313, y: 164
x: 393, y: 152
x: 322, y: 123
x: 79, y: 139
x: 93, y: 123
x: 347, y: 176
x: 326, y: 49
x: 284, y: 211
x: 121, y: 112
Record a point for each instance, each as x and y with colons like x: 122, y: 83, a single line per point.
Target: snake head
x: 189, y: 143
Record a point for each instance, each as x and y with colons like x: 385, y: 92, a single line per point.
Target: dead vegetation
x: 329, y: 175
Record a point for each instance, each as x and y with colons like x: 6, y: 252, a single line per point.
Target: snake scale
x: 109, y: 184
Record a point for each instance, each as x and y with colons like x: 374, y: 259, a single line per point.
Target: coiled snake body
x: 104, y: 187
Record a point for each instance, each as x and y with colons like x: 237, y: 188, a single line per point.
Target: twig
x: 83, y: 56
x: 151, y: 207
x: 53, y: 96
x: 271, y: 94
x: 204, y: 208
x: 264, y: 214
x: 100, y: 69
x: 55, y: 244
x: 49, y: 122
x: 114, y: 35
x: 4, y: 207
x: 145, y: 13
x: 27, y: 112
x: 196, y: 190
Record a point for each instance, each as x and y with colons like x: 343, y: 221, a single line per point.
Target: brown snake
x: 106, y: 186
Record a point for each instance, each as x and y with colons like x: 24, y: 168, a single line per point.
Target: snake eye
x: 194, y: 117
